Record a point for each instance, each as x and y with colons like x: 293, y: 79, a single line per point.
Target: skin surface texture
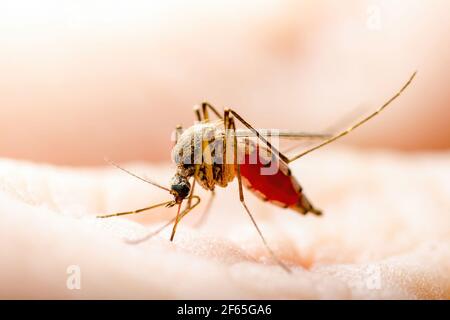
x: 384, y: 233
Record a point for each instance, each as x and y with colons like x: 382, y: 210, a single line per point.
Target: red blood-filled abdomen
x: 280, y: 188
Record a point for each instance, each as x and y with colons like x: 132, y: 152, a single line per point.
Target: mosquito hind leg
x: 357, y: 124
x: 231, y: 127
x: 189, y: 206
x: 177, y: 220
x: 181, y: 215
x: 256, y: 132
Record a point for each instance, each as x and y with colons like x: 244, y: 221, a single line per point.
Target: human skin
x: 99, y: 91
x: 384, y: 234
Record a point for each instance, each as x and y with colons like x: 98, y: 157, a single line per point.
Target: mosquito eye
x: 182, y: 190
x: 180, y: 186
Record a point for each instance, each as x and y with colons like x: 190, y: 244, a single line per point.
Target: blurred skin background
x: 81, y: 80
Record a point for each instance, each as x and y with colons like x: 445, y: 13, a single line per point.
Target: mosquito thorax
x: 201, y: 147
x: 190, y: 145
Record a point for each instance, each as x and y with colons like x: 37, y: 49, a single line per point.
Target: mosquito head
x: 180, y: 188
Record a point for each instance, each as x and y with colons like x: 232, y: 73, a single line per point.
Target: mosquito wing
x: 287, y: 140
x: 291, y: 142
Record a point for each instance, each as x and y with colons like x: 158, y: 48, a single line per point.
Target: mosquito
x: 213, y: 153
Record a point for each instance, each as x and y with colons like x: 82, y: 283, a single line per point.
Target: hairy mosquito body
x: 205, y: 151
x: 214, y: 153
x: 206, y: 148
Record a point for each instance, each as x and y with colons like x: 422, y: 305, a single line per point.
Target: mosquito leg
x: 356, y: 125
x: 205, y: 107
x: 232, y: 127
x: 181, y: 215
x: 167, y: 203
x: 157, y: 231
x: 189, y: 206
x: 203, y: 217
x: 258, y: 135
x: 208, y: 163
x: 177, y: 219
x: 198, y: 114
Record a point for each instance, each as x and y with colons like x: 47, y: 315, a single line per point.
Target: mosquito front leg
x: 157, y: 231
x: 177, y: 220
x: 202, y: 114
x: 231, y: 127
x: 166, y: 203
x: 198, y: 114
x: 205, y: 107
x: 189, y: 203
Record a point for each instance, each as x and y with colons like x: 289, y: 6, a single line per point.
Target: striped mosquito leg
x: 232, y: 127
x: 168, y: 223
x: 258, y: 135
x: 205, y: 107
x: 198, y: 113
x: 166, y: 203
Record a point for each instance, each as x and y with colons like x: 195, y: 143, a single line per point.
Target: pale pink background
x: 81, y: 80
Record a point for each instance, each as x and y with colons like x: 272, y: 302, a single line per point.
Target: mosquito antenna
x: 345, y: 132
x: 135, y: 175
